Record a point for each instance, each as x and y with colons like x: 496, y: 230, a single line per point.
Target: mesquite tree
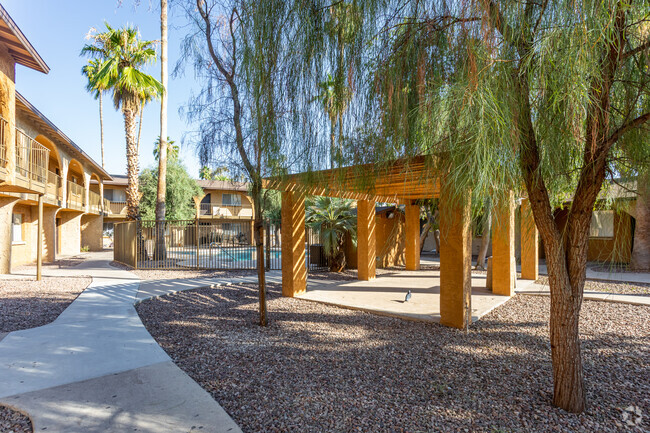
x: 532, y: 94
x: 237, y: 52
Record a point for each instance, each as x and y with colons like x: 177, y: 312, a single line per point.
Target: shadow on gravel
x: 321, y: 368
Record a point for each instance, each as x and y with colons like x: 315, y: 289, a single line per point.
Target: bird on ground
x: 408, y: 296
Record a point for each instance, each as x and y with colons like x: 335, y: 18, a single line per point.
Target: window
x: 115, y: 195
x: 602, y: 224
x: 231, y: 200
x: 108, y: 194
x: 17, y: 228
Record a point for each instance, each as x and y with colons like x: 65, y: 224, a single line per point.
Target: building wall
x: 617, y: 249
x: 91, y: 232
x: 69, y: 232
x: 21, y: 252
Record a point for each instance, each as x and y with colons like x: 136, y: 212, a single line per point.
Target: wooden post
x: 294, y: 267
x: 39, y: 240
x: 412, y: 241
x: 366, y: 242
x: 529, y: 243
x: 455, y: 261
x: 503, y: 247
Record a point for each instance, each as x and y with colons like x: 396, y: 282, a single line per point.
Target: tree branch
x: 635, y: 51
x: 625, y: 128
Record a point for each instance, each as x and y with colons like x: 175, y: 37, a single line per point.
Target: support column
x: 294, y: 268
x: 39, y: 240
x: 6, y: 214
x: 529, y: 243
x: 70, y: 232
x: 504, y: 269
x: 366, y: 240
x: 49, y: 234
x: 455, y: 261
x: 412, y: 241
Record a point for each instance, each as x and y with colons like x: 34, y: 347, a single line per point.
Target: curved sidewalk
x: 97, y: 369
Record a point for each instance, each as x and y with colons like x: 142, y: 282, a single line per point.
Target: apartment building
x: 45, y: 178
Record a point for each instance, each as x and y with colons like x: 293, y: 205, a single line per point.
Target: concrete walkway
x: 97, y: 369
x: 542, y: 290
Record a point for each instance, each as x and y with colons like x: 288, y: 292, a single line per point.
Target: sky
x: 57, y: 29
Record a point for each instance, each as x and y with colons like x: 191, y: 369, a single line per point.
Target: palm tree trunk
x: 132, y: 170
x: 162, y: 151
x: 332, y: 143
x: 139, y: 128
x: 101, y: 127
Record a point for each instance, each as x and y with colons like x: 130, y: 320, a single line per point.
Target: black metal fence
x: 207, y: 245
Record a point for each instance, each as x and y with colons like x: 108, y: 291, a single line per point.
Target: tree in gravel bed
x: 539, y: 96
x: 238, y: 54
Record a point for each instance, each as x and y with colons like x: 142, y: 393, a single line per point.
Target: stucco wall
x: 21, y: 252
x: 617, y: 249
x: 69, y: 232
x: 91, y: 232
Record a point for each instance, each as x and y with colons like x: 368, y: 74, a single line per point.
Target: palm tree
x: 172, y: 150
x: 89, y: 71
x: 122, y: 53
x: 162, y: 138
x: 334, y: 102
x: 333, y: 219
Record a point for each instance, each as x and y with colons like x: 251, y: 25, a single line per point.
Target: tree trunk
x: 140, y: 129
x: 101, y: 127
x: 426, y: 228
x: 259, y: 247
x: 162, y: 149
x: 485, y: 239
x: 641, y: 250
x: 436, y: 238
x: 332, y: 143
x: 129, y: 113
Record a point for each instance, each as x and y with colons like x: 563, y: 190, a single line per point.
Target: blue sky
x: 57, y: 29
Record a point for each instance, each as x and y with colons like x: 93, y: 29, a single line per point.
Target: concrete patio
x: 385, y: 294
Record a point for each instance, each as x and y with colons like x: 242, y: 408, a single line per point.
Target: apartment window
x: 602, y: 224
x: 17, y: 228
x: 231, y: 200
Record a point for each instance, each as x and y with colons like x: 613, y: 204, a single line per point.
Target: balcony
x: 116, y: 208
x: 95, y: 203
x: 31, y: 164
x: 76, y: 198
x: 54, y: 189
x: 217, y: 210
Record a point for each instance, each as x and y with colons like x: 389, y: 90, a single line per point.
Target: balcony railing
x: 117, y: 208
x: 76, y: 198
x: 217, y: 210
x: 106, y: 206
x: 31, y: 162
x: 94, y: 202
x: 4, y: 125
x: 53, y: 191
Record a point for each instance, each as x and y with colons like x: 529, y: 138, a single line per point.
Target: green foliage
x: 219, y: 173
x: 121, y: 53
x: 180, y: 190
x: 173, y: 150
x: 272, y: 205
x: 333, y: 219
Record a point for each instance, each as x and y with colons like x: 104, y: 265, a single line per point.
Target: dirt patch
x: 27, y: 303
x: 320, y: 368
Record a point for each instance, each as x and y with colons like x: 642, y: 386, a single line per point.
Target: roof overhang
x: 56, y: 135
x: 20, y: 49
x: 398, y: 181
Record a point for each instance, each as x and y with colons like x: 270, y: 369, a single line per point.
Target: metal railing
x: 76, y: 198
x: 94, y: 202
x: 53, y: 193
x: 31, y: 158
x: 218, y: 210
x: 4, y: 125
x: 206, y: 245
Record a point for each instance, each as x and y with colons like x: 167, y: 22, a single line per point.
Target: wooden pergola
x: 404, y: 182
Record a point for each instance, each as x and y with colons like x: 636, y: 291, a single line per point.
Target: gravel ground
x: 14, y: 421
x: 28, y: 303
x: 319, y: 368
x: 610, y: 286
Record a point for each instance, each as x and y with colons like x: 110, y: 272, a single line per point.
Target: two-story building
x: 45, y: 178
